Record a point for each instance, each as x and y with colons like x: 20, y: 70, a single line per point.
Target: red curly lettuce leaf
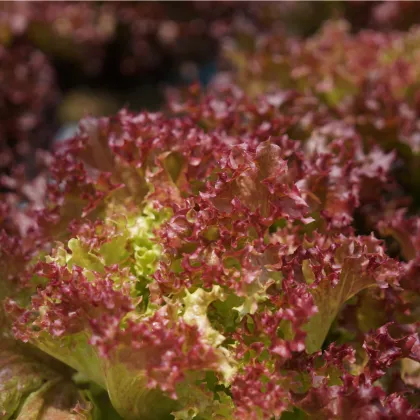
x: 336, y: 394
x: 353, y: 265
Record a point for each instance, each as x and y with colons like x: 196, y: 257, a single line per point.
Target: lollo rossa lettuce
x: 240, y: 256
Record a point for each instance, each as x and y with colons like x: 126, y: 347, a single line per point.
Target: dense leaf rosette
x: 368, y: 79
x: 205, y: 265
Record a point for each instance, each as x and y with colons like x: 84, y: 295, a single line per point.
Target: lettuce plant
x: 28, y: 96
x: 118, y: 39
x: 368, y: 79
x: 204, y: 264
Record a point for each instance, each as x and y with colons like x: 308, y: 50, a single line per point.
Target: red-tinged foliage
x: 394, y: 14
x: 45, y: 47
x: 28, y: 96
x: 281, y: 323
x: 304, y: 17
x: 248, y: 252
x: 383, y: 349
x: 367, y: 79
x: 256, y: 268
x: 355, y: 400
x: 68, y: 303
x: 258, y: 392
x: 229, y: 219
x: 404, y: 229
x: 334, y: 149
x: 336, y: 394
x: 14, y: 256
x: 165, y: 347
x: 94, y: 234
x: 141, y: 37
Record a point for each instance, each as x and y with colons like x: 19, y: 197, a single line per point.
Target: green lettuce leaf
x: 362, y: 264
x: 32, y: 390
